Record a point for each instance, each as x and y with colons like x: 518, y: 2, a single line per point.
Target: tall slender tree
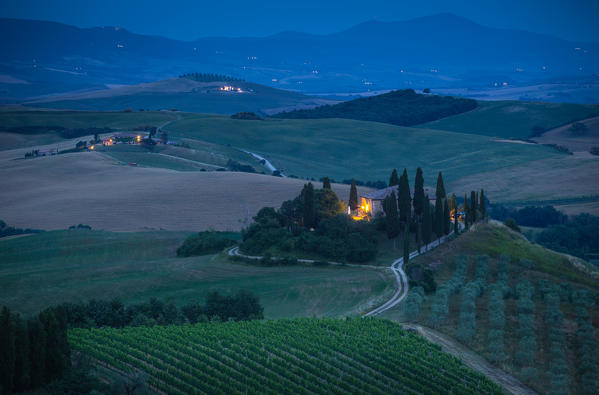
x: 7, y: 351
x: 37, y: 352
x: 466, y: 211
x: 418, y: 194
x: 452, y: 205
x: 22, y: 379
x: 394, y: 179
x: 353, y: 196
x: 483, y: 205
x: 309, y: 206
x: 439, y: 218
x: 456, y: 227
x: 326, y: 183
x: 405, y: 199
x: 440, y: 192
x: 473, y: 206
x: 446, y: 218
x: 406, y: 243
x: 392, y: 218
x: 427, y: 222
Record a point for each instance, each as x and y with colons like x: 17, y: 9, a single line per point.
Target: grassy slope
x: 83, y: 119
x: 285, y: 356
x: 44, y: 269
x: 513, y: 119
x: 89, y: 187
x: 546, y: 264
x: 255, y: 98
x: 344, y: 149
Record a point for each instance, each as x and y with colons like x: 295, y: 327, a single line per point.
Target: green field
x: 345, y: 149
x: 45, y: 269
x: 84, y: 119
x: 513, y: 119
x: 320, y: 356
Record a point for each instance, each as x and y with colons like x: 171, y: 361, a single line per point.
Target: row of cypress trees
x: 33, y: 352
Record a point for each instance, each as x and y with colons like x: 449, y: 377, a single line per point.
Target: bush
x: 203, y: 243
x: 511, y: 223
x: 250, y: 116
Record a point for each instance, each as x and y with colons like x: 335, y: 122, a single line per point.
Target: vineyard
x: 285, y: 356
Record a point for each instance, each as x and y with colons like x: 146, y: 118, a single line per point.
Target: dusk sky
x: 188, y: 19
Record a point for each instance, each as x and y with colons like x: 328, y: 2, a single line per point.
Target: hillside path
x: 471, y: 359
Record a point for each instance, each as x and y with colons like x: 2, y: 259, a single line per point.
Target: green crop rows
x: 284, y: 356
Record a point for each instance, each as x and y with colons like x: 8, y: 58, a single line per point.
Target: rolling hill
x: 514, y: 119
x: 186, y: 95
x: 402, y: 107
x: 435, y: 51
x: 524, y: 267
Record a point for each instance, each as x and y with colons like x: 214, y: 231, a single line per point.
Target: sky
x: 189, y: 19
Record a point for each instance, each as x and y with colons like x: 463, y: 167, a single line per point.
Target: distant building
x: 371, y: 203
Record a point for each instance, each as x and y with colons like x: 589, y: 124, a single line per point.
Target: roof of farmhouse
x: 381, y: 194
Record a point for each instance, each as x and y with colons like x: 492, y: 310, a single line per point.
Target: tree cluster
x: 33, y: 353
x: 233, y: 165
x: 535, y: 216
x: 209, y: 77
x: 6, y: 230
x: 247, y: 116
x: 203, y: 243
x: 579, y: 235
x: 400, y: 107
x: 411, y: 306
x: 113, y: 313
x: 313, y: 222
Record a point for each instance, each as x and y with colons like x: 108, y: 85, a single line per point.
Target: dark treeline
x: 233, y: 165
x: 208, y: 77
x: 206, y: 242
x: 578, y: 235
x: 246, y: 115
x: 400, y: 107
x: 113, y: 313
x: 33, y: 352
x: 67, y: 133
x: 6, y: 230
x: 539, y: 217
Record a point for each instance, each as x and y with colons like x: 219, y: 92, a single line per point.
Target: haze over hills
x: 439, y: 51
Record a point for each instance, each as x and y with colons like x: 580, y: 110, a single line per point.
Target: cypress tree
x: 456, y: 227
x: 7, y: 351
x: 392, y: 218
x: 406, y: 243
x: 452, y: 205
x: 37, y: 352
x: 326, y: 183
x: 427, y: 224
x: 473, y: 206
x: 466, y: 211
x: 418, y: 193
x: 353, y: 196
x: 418, y: 235
x: 309, y: 207
x: 482, y: 205
x: 55, y: 360
x: 439, y: 219
x: 440, y: 192
x: 405, y: 200
x: 446, y: 219
x: 21, y: 377
x: 394, y: 179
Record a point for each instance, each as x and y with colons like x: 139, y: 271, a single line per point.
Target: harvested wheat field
x: 89, y: 188
x: 575, y: 142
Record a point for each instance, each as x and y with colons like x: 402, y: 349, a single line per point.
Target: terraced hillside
x: 287, y: 356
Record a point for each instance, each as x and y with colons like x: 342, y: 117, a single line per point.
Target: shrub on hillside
x: 248, y: 116
x: 203, y: 243
x: 511, y: 223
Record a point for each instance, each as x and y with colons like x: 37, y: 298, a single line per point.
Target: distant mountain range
x: 439, y: 51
